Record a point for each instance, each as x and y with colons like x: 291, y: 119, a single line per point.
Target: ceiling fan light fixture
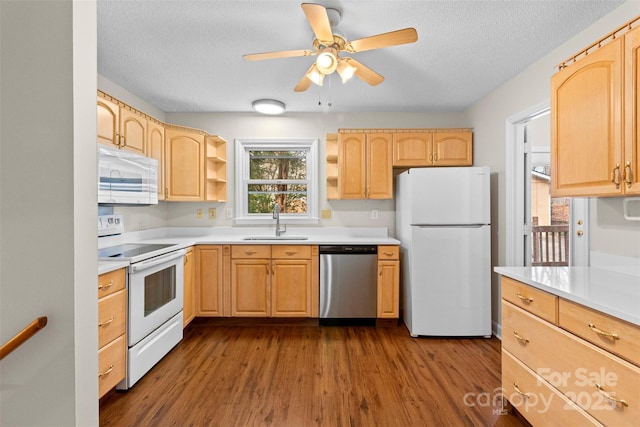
x: 269, y: 106
x: 315, y: 75
x: 327, y: 61
x: 345, y: 69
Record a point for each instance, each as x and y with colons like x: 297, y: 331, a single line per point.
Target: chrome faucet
x: 276, y: 216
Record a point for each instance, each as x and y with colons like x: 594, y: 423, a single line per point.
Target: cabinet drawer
x: 574, y: 367
x: 536, y: 400
x: 250, y: 251
x: 291, y: 251
x: 597, y: 328
x: 540, y: 303
x: 111, y: 365
x: 388, y: 252
x: 112, y: 317
x: 111, y: 282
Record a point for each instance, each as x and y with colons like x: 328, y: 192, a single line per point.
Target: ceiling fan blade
x: 365, y: 73
x: 319, y: 21
x: 393, y: 38
x: 304, y: 82
x: 280, y: 54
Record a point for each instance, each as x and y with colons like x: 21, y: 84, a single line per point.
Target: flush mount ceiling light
x: 268, y: 106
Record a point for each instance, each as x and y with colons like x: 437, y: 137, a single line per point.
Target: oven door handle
x: 141, y: 266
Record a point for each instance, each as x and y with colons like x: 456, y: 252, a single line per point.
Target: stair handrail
x: 22, y: 336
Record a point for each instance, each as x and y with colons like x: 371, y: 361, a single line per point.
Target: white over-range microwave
x: 126, y: 178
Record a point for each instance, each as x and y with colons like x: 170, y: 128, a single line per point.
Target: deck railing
x: 550, y: 245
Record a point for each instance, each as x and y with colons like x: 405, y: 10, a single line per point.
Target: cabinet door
x: 412, y: 149
x: 155, y: 150
x: 209, y: 281
x: 290, y: 289
x: 631, y: 165
x: 133, y: 131
x: 250, y: 287
x: 586, y: 125
x: 379, y: 166
x: 108, y: 122
x: 184, y: 165
x: 452, y: 149
x: 388, y: 289
x: 189, y: 295
x: 352, y: 165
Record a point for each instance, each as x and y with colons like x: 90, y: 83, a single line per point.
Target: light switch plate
x: 325, y: 214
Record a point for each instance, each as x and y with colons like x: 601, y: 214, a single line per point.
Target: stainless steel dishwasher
x: 348, y: 284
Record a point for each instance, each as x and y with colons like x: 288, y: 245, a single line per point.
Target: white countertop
x: 608, y: 291
x: 184, y: 237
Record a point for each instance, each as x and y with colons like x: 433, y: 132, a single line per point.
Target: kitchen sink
x: 275, y: 238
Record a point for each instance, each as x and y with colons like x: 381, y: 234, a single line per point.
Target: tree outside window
x: 277, y: 170
x: 277, y: 177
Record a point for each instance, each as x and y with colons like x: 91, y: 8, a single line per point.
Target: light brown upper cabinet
x: 594, y: 115
x: 192, y: 165
x: 365, y: 169
x: 108, y: 122
x: 631, y: 162
x: 184, y: 164
x: 121, y: 126
x: 155, y: 150
x: 418, y: 149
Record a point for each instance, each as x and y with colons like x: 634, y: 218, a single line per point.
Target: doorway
x: 541, y: 230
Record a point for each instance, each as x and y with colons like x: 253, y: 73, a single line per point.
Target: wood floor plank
x: 223, y: 374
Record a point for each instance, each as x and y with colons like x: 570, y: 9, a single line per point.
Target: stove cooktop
x: 130, y: 250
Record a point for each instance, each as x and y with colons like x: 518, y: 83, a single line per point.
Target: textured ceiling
x: 186, y: 56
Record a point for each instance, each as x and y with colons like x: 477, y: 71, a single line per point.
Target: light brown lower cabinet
x: 210, y: 262
x: 549, y: 370
x: 112, y: 327
x: 388, y: 282
x: 274, y: 281
x: 189, y: 309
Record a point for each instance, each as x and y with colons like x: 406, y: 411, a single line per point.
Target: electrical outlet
x: 325, y: 214
x: 374, y: 213
x: 229, y: 213
x: 212, y: 213
x: 199, y: 213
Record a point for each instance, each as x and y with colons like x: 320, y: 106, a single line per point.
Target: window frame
x: 242, y: 148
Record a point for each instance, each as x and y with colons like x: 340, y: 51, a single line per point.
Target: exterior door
x: 553, y: 228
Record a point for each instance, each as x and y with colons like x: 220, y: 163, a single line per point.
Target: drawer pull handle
x: 525, y: 395
x: 388, y: 253
x: 524, y: 299
x: 107, y: 322
x: 108, y: 285
x: 603, y: 333
x: 107, y: 372
x: 250, y: 252
x: 519, y: 338
x: 290, y: 253
x: 609, y: 397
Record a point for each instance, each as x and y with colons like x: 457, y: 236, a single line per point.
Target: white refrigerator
x: 443, y: 224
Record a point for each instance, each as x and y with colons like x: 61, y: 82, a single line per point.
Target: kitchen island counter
x: 607, y: 291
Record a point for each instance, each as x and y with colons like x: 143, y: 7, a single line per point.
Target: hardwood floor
x: 303, y: 375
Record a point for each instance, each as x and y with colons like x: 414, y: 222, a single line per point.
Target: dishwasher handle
x: 349, y: 249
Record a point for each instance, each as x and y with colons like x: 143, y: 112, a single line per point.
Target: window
x: 282, y: 171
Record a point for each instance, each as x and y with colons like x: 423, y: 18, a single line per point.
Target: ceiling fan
x: 327, y: 46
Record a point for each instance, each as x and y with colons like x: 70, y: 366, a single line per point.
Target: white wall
x: 48, y: 207
x: 527, y: 89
